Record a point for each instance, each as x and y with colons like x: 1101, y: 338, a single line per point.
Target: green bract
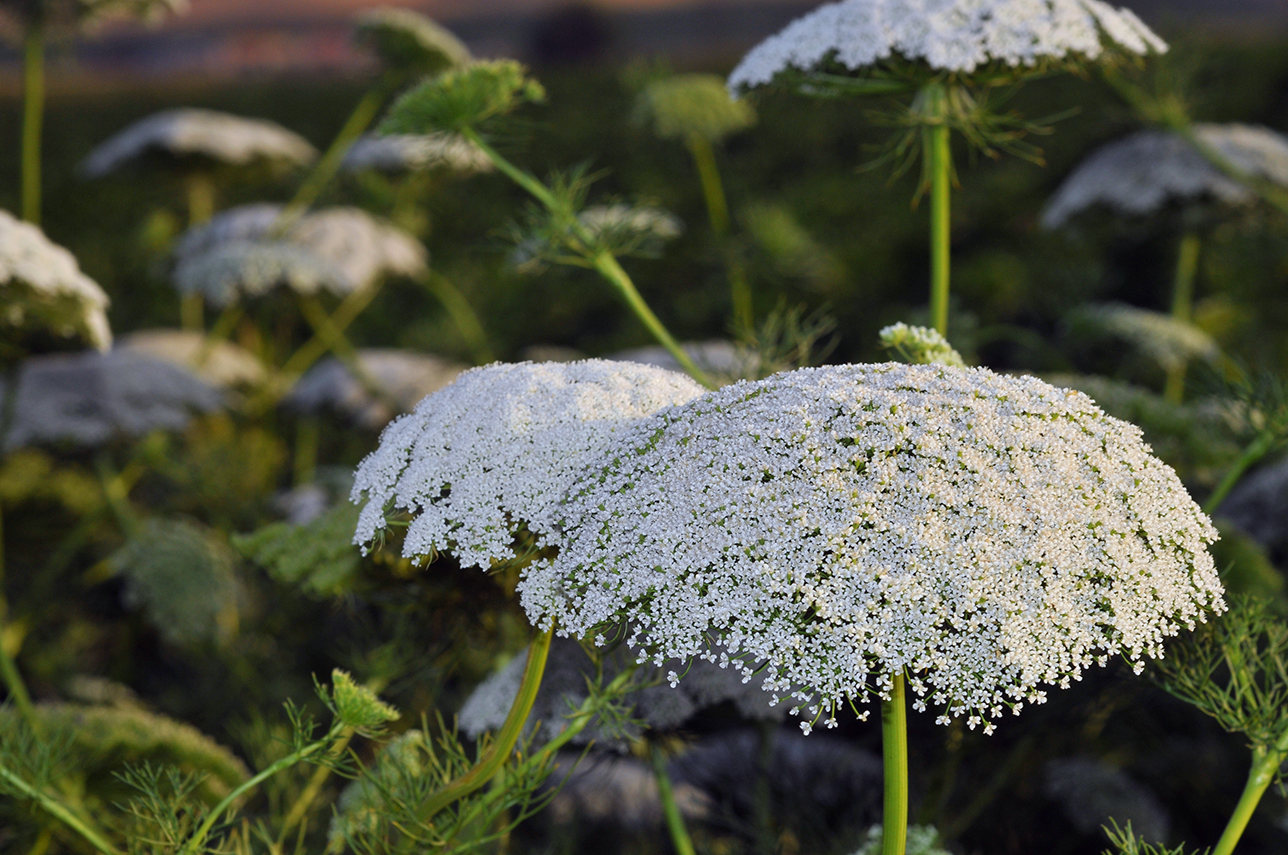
x: 463, y: 97
x: 693, y: 104
x: 357, y: 706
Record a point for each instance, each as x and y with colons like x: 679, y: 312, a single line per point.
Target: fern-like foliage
x: 1125, y: 842
x: 318, y: 557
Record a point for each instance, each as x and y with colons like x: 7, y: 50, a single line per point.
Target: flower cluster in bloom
x: 983, y: 534
x: 949, y: 35
x: 499, y: 447
x: 409, y: 152
x: 190, y: 132
x: 1144, y: 171
x: 42, y: 288
x: 397, y: 378
x: 920, y: 345
x: 698, y: 105
x: 87, y: 399
x: 658, y: 706
x: 222, y: 364
x: 409, y: 41
x: 341, y: 249
x: 1170, y: 342
x: 620, y: 228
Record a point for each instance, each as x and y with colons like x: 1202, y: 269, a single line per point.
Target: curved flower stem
x: 325, y: 169
x: 1265, y: 765
x: 462, y: 314
x: 602, y: 261
x: 666, y: 793
x: 940, y: 193
x: 894, y: 756
x: 59, y: 811
x: 498, y: 752
x: 1257, y: 449
x: 704, y: 159
x: 33, y: 115
x: 1187, y: 260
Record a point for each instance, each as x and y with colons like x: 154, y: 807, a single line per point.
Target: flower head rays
x: 984, y: 534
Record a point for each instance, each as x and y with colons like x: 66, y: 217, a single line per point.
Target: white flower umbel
x: 42, y: 289
x: 392, y: 378
x: 948, y: 35
x: 498, y: 448
x: 355, y: 248
x: 408, y: 41
x: 1168, y: 341
x: 247, y: 269
x: 920, y: 345
x: 983, y: 534
x: 192, y: 133
x: 1141, y: 173
x: 411, y: 152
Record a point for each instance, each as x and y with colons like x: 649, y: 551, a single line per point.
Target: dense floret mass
x: 1142, y: 172
x: 498, y: 448
x: 948, y: 35
x: 42, y: 289
x: 405, y: 152
x: 983, y: 534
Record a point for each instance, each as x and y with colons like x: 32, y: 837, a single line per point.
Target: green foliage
x: 357, y: 706
x: 1125, y: 842
x: 692, y: 105
x: 1235, y: 669
x: 181, y: 575
x: 922, y: 840
x: 1245, y: 567
x: 30, y: 474
x: 463, y: 98
x: 318, y: 556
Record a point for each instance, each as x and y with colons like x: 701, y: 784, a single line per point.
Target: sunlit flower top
x: 190, y: 132
x: 984, y: 534
x: 246, y: 269
x: 410, y: 152
x: 1144, y: 171
x: 498, y: 448
x: 920, y: 345
x: 42, y: 289
x: 949, y: 35
x: 355, y: 246
x: 222, y: 364
x: 409, y: 41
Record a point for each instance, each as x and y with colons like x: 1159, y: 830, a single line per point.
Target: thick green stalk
x: 33, y: 116
x: 499, y: 751
x: 1265, y: 766
x: 940, y: 192
x: 894, y: 756
x: 59, y: 811
x: 606, y: 265
x: 1257, y: 449
x: 327, y: 166
x: 1187, y: 261
x: 462, y: 314
x: 666, y: 793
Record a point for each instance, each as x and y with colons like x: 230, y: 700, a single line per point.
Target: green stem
x: 33, y: 114
x: 606, y: 265
x: 321, y: 341
x: 198, y: 838
x: 603, y: 262
x: 1187, y: 260
x: 1265, y: 766
x: 116, y: 490
x: 704, y: 159
x: 674, y: 819
x: 59, y: 811
x: 894, y: 755
x: 940, y: 175
x: 1257, y: 449
x: 327, y: 166
x: 462, y: 314
x: 13, y: 682
x: 498, y: 752
x: 307, y: 435
x: 762, y: 797
x: 201, y: 197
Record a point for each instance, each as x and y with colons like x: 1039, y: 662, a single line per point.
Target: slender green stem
x: 498, y: 752
x: 59, y: 811
x: 603, y: 262
x: 307, y: 434
x: 33, y: 116
x: 940, y: 192
x: 462, y: 314
x: 762, y: 794
x: 606, y: 265
x: 894, y: 756
x: 704, y: 159
x: 222, y: 329
x: 116, y: 490
x: 674, y: 819
x: 13, y: 682
x: 325, y: 169
x: 200, y: 189
x: 1187, y: 260
x: 1265, y: 765
x: 199, y: 836
x: 322, y: 341
x: 1257, y: 449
